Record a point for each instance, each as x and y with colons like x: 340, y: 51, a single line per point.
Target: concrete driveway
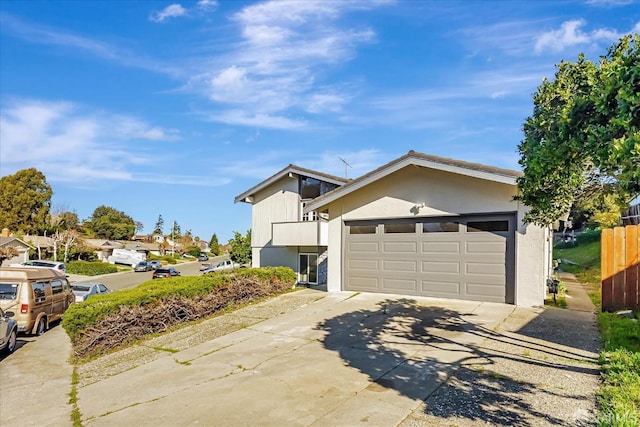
x: 343, y: 359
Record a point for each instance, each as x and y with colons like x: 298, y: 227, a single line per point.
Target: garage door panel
x: 396, y: 284
x: 363, y: 264
x: 482, y: 290
x: 496, y: 280
x: 405, y: 266
x: 440, y: 288
x: 440, y: 267
x: 440, y: 247
x: 400, y: 247
x: 485, y: 247
x: 367, y: 284
x: 485, y: 268
x: 371, y: 247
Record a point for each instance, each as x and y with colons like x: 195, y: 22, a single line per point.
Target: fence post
x: 619, y: 264
x: 632, y: 289
x: 606, y: 268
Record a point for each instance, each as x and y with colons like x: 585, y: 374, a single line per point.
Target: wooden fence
x: 620, y: 258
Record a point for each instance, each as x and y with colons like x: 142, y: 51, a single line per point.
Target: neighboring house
x: 6, y: 241
x: 43, y: 244
x: 420, y: 225
x: 103, y: 248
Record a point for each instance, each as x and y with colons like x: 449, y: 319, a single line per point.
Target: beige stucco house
x: 21, y: 247
x: 420, y: 225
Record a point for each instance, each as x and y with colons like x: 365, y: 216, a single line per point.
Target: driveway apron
x: 312, y: 359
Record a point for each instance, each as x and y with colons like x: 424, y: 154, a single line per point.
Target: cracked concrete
x: 340, y: 359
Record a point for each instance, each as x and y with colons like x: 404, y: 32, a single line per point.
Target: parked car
x: 155, y: 264
x: 8, y: 332
x: 203, y: 257
x: 143, y: 266
x: 43, y: 264
x: 41, y: 295
x: 225, y: 264
x: 165, y: 272
x: 83, y: 290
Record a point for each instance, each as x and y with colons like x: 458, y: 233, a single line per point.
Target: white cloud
x: 172, y: 11
x: 42, y: 34
x: 325, y: 102
x: 285, y: 48
x: 571, y: 34
x: 610, y: 3
x: 207, y: 4
x: 260, y: 120
x: 67, y: 142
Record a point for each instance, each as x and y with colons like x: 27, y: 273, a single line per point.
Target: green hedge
x: 87, y: 268
x: 88, y: 313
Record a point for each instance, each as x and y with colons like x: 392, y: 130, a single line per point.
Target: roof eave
x: 291, y: 171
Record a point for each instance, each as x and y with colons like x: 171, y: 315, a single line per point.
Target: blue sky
x: 173, y: 108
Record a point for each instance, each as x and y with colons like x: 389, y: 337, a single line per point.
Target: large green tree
x: 214, y: 245
x: 25, y: 201
x: 109, y: 223
x: 240, y: 251
x: 585, y: 126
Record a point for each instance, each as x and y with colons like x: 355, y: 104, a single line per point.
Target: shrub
x: 169, y: 259
x: 92, y: 268
x: 105, y: 322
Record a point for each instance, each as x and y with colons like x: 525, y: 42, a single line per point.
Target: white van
x: 37, y: 296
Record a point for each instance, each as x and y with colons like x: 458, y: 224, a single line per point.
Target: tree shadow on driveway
x: 463, y: 372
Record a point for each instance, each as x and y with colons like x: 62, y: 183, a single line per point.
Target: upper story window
x: 310, y: 188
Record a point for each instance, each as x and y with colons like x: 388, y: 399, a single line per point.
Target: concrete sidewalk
x: 339, y: 359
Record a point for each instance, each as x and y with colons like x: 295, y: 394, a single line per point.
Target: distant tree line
x: 25, y: 208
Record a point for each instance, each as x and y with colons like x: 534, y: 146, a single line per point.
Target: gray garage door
x: 468, y: 257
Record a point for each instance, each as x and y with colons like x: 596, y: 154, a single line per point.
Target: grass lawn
x: 619, y: 395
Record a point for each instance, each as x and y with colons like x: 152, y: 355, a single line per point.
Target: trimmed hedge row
x: 87, y: 268
x: 84, y: 321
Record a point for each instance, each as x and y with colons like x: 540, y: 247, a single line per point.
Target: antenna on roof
x: 345, y: 165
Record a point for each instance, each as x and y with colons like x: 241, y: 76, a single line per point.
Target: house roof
x: 412, y: 158
x: 39, y: 241
x: 291, y: 169
x: 103, y: 244
x: 5, y: 241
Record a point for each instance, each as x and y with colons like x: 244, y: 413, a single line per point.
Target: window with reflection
x: 440, y: 227
x: 400, y: 228
x: 492, y: 226
x: 362, y: 229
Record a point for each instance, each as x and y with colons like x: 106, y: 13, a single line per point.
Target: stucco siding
x: 415, y: 191
x: 532, y: 263
x: 277, y: 257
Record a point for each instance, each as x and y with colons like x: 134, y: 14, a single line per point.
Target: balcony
x: 300, y: 233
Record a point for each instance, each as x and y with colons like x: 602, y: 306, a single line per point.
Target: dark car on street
x: 165, y: 272
x: 143, y: 266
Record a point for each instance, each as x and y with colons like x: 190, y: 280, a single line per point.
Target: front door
x: 308, y: 272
